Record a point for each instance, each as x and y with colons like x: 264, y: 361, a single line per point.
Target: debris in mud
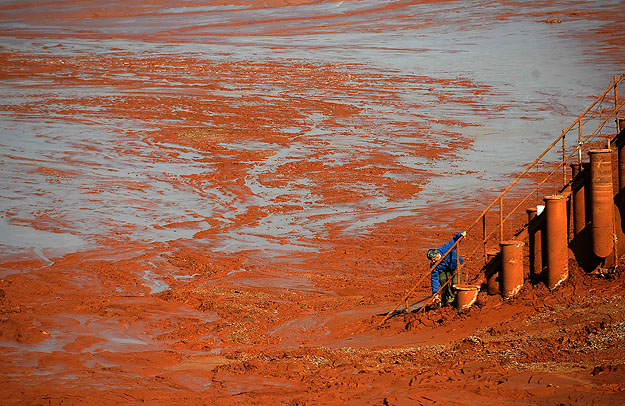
x: 551, y: 20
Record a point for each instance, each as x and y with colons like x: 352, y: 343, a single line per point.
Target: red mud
x: 134, y: 319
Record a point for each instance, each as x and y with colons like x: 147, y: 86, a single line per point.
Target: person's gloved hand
x: 436, y: 301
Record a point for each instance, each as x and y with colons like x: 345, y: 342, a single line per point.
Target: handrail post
x: 501, y: 218
x: 458, y: 265
x: 563, y: 158
x: 484, y: 238
x: 618, y: 129
x: 579, y: 143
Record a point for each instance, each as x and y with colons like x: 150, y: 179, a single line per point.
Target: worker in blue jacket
x: 445, y: 270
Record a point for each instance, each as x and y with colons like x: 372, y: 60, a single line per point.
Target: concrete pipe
x: 621, y: 156
x: 491, y: 272
x: 621, y: 166
x: 557, y: 251
x: 511, y: 275
x: 602, y: 202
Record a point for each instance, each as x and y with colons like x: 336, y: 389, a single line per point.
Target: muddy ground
x: 215, y: 202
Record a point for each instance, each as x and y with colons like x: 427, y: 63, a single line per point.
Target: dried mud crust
x: 538, y: 347
x: 311, y: 339
x: 572, y: 337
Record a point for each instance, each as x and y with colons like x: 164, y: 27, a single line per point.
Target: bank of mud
x: 228, y: 335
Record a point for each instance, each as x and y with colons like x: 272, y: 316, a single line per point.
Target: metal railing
x: 579, y: 146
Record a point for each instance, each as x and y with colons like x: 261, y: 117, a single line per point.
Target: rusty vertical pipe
x: 587, y: 192
x: 531, y: 237
x: 557, y: 251
x: 578, y: 199
x: 602, y: 201
x: 531, y: 213
x: 535, y: 244
x: 511, y: 274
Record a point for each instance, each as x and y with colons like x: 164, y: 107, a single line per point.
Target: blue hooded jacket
x: 447, y: 264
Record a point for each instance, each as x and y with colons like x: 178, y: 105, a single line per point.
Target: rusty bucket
x: 466, y: 295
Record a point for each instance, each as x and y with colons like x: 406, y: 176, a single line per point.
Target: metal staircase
x: 573, y: 220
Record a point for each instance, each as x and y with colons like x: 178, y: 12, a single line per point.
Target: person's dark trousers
x: 447, y: 294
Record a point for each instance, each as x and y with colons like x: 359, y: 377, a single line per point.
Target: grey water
x: 538, y: 78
